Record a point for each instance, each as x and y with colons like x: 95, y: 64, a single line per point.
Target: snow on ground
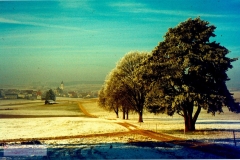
x: 218, y: 129
x: 215, y: 129
x: 54, y: 127
x: 158, y: 150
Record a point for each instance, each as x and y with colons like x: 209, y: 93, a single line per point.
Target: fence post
x: 234, y: 138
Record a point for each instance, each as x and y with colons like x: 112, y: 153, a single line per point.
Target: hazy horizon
x: 54, y: 41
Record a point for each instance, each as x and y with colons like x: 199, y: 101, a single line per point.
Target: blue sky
x: 74, y: 40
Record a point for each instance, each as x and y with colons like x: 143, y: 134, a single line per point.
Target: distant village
x: 40, y: 94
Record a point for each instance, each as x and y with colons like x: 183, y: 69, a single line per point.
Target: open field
x: 39, y: 109
x: 69, y: 130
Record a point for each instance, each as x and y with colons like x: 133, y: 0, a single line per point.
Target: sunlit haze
x: 51, y: 41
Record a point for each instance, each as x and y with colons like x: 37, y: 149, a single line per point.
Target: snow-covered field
x: 55, y: 127
x: 69, y: 134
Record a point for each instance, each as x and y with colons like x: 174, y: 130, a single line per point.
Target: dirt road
x: 205, y: 147
x: 215, y: 149
x: 85, y: 111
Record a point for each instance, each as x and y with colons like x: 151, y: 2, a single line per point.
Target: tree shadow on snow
x: 224, y: 147
x: 135, y: 150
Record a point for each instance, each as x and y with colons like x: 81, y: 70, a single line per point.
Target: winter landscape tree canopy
x: 188, y: 73
x: 184, y: 74
x: 122, y: 87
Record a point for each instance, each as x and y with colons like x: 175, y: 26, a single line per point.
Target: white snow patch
x: 54, y: 127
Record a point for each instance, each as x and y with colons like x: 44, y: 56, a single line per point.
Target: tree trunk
x: 140, y: 114
x: 123, y: 114
x: 189, y: 120
x: 189, y: 123
x: 116, y: 111
x: 127, y: 114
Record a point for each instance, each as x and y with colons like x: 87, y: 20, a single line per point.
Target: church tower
x: 61, y: 86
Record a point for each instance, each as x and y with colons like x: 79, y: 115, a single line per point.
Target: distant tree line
x: 184, y: 74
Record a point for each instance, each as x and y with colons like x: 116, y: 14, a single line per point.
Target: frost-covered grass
x: 40, y: 110
x: 209, y: 128
x: 215, y: 129
x: 149, y: 150
x: 54, y: 127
